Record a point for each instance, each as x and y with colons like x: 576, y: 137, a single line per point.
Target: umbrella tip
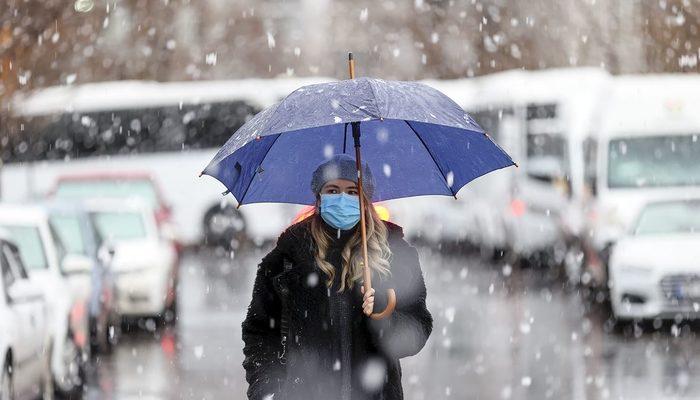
x: 200, y: 174
x: 350, y: 56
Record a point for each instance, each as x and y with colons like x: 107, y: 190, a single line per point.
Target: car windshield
x: 669, y: 217
x: 31, y: 247
x: 68, y: 230
x: 654, y: 161
x: 120, y: 225
x: 80, y: 189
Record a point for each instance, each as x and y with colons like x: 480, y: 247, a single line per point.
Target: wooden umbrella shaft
x: 366, y: 274
x: 351, y: 66
x: 366, y: 271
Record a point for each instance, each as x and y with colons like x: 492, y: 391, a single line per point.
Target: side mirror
x: 23, y: 290
x: 106, y: 254
x: 76, y: 264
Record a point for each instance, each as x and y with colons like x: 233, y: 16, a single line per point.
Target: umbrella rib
x: 374, y: 94
x: 431, y: 156
x: 345, y: 136
x: 240, y: 202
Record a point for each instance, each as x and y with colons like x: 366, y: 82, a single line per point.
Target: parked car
x: 654, y: 270
x: 42, y: 253
x: 91, y: 276
x: 24, y: 333
x: 647, y: 148
x: 144, y: 262
x: 120, y: 185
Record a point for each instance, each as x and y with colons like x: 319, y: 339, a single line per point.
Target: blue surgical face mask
x: 341, y: 211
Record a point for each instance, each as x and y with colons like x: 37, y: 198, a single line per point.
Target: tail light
x: 77, y: 323
x: 162, y: 214
x: 518, y: 207
x: 303, y: 214
x: 383, y: 212
x: 167, y: 343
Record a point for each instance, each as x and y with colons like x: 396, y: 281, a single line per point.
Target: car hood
x: 670, y: 253
x: 138, y: 255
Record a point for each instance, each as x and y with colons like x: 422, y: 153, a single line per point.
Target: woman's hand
x: 368, y: 303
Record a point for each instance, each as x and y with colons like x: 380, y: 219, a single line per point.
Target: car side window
x: 14, y: 260
x: 60, y: 247
x: 8, y: 275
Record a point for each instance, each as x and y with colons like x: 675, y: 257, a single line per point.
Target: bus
x: 167, y: 131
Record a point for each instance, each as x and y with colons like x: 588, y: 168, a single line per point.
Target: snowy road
x: 499, y: 333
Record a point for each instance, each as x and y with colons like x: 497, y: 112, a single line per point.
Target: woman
x: 307, y: 333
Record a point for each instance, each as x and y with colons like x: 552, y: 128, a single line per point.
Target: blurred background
x: 126, y: 275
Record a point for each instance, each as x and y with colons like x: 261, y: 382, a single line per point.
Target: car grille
x: 672, y: 296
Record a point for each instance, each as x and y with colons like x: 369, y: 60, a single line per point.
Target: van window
x: 547, y: 156
x: 547, y: 152
x: 489, y: 119
x: 541, y: 111
x: 655, y: 161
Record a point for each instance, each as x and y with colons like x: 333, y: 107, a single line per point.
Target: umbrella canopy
x: 416, y: 140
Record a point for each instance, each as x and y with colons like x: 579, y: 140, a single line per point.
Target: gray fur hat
x: 342, y: 166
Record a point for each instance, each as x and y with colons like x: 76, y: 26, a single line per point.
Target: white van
x: 542, y: 119
x: 648, y: 148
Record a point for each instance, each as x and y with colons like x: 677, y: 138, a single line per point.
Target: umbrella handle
x: 391, y: 305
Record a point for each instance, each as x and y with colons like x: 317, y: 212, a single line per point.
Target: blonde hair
x: 378, y: 250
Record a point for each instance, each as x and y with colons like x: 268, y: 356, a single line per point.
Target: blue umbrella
x: 415, y: 139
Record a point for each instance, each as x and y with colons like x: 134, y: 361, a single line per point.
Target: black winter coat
x: 333, y: 350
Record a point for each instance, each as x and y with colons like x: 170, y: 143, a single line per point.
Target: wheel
x: 104, y: 338
x: 626, y: 326
x: 574, y: 263
x: 224, y: 226
x: 169, y: 314
x: 173, y: 309
x: 112, y: 333
x: 70, y: 385
x: 6, y: 387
